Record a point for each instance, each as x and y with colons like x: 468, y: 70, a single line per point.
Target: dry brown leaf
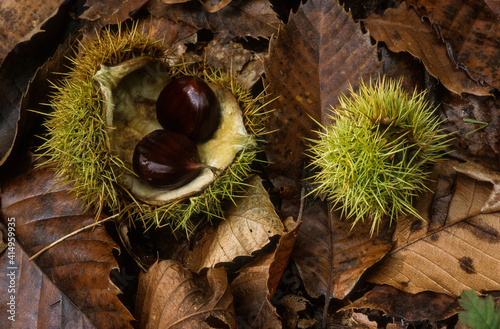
x: 469, y: 28
x: 251, y: 18
x: 213, y: 6
x: 362, y: 321
x: 459, y: 246
x: 251, y: 295
x: 425, y: 306
x: 282, y: 253
x: 475, y: 124
x: 15, y: 28
x: 171, y: 2
x: 484, y: 175
x: 494, y: 5
x: 247, y: 228
x: 38, y: 303
x: 257, y: 282
x: 310, y: 63
x: 111, y: 11
x: 248, y: 65
x: 295, y: 312
x: 210, y: 5
x: 402, y: 30
x: 331, y: 255
x: 80, y: 265
x: 169, y: 296
x: 163, y: 29
x: 16, y: 71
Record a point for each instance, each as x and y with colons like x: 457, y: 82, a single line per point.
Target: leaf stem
x: 71, y: 234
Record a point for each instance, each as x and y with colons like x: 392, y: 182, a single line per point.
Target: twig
x: 71, y: 234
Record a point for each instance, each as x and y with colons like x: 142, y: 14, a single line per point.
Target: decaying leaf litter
x: 287, y: 260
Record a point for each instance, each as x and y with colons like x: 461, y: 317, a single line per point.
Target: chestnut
x: 166, y: 159
x: 188, y: 106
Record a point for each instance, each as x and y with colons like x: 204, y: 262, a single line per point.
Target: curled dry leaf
x: 38, y: 302
x: 403, y: 30
x: 329, y: 52
x: 210, y: 5
x: 213, y: 6
x: 80, y: 265
x: 282, y: 254
x: 16, y: 28
x: 295, y: 312
x: 252, y: 18
x: 331, y: 255
x: 257, y: 282
x: 484, y: 175
x: 111, y: 11
x: 169, y: 296
x: 246, y: 229
x: 424, y: 306
x: 16, y: 71
x: 247, y: 65
x: 252, y: 305
x: 468, y: 28
x: 458, y: 247
x: 362, y: 321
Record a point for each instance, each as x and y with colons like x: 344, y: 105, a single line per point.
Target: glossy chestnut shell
x: 166, y: 159
x: 188, y: 106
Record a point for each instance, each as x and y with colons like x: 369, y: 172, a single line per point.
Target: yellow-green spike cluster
x: 374, y: 159
x: 80, y: 150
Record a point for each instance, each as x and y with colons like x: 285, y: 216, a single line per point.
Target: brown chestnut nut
x: 188, y: 106
x: 166, y: 159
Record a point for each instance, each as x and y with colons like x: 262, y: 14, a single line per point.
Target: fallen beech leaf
x: 248, y: 66
x: 458, y: 248
x: 80, y: 265
x: 249, y: 288
x: 169, y: 296
x: 15, y: 28
x: 295, y: 313
x: 208, y: 5
x: 246, y: 229
x: 363, y: 321
x: 494, y: 5
x: 329, y: 52
x: 425, y: 306
x: 110, y: 11
x: 251, y: 18
x: 213, y: 6
x: 331, y: 255
x: 163, y: 29
x: 403, y: 30
x: 475, y: 124
x: 257, y: 281
x: 282, y: 253
x: 38, y: 303
x: 17, y: 69
x: 468, y: 28
x: 482, y: 174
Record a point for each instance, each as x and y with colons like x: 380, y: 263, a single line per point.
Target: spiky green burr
x: 376, y: 155
x: 88, y: 147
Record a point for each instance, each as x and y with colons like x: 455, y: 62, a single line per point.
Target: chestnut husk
x: 130, y: 109
x: 106, y: 104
